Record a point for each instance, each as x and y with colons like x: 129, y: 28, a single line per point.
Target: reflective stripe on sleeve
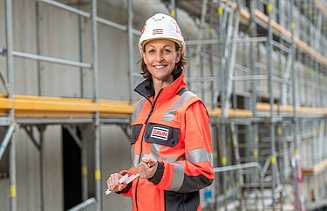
x: 178, y: 177
x: 199, y: 155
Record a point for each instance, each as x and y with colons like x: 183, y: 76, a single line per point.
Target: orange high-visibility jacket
x: 174, y: 129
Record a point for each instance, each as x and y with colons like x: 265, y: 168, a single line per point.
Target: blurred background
x: 67, y: 73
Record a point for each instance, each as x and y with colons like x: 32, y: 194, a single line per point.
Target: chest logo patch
x: 160, y: 133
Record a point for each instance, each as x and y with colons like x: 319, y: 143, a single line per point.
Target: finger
x: 117, y: 177
x: 148, y: 159
x: 145, y: 171
x: 152, y: 163
x: 121, y: 187
x: 108, y: 183
x: 142, y: 168
x: 113, y: 181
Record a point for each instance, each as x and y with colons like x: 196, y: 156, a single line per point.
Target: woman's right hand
x: 113, y: 183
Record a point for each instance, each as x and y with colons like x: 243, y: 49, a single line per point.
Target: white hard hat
x: 161, y: 26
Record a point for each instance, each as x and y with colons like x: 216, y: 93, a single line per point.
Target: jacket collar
x: 146, y: 89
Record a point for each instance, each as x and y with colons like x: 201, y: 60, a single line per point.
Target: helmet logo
x: 157, y: 31
x: 177, y: 27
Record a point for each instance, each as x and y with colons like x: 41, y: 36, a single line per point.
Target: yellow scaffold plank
x: 5, y: 103
x: 55, y: 106
x: 315, y: 169
x: 281, y: 108
x: 312, y: 110
x: 265, y: 107
x: 114, y: 107
x: 231, y: 112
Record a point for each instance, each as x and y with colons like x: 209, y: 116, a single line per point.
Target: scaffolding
x: 272, y: 135
x: 32, y: 111
x: 250, y: 61
x: 278, y: 121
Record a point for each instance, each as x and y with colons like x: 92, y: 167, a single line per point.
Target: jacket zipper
x: 146, y: 124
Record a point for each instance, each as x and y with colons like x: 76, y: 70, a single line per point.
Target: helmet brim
x: 178, y: 42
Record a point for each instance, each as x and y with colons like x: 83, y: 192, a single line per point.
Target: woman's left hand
x: 148, y: 167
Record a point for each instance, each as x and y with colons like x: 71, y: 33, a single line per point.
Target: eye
x: 151, y: 51
x: 166, y: 51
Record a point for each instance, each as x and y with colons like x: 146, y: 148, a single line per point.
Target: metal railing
x: 88, y: 205
x: 246, y: 166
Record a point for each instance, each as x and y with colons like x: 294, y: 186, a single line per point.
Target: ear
x: 178, y: 55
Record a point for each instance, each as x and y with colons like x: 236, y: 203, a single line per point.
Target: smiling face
x: 160, y: 57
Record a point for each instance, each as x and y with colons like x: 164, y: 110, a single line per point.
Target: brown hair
x: 178, y: 67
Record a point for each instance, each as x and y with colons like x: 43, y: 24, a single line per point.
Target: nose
x: 159, y: 57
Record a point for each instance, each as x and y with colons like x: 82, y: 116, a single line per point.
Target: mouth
x: 159, y: 66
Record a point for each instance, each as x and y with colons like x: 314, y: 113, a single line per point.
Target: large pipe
x: 141, y: 13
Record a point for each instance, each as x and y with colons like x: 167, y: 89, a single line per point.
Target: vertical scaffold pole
x: 173, y: 8
x: 84, y: 170
x: 84, y: 166
x: 222, y: 84
x: 10, y: 76
x: 41, y: 130
x: 81, y: 58
x: 253, y: 59
x: 271, y: 101
x: 130, y: 50
x: 13, y: 198
x: 296, y: 161
x: 96, y: 93
x: 38, y: 46
x: 211, y: 59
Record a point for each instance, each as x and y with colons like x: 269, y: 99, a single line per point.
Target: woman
x: 171, y: 141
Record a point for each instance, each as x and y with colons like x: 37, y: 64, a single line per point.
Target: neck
x: 159, y: 84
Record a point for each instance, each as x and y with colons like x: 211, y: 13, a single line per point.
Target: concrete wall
x: 28, y: 173
x: 115, y: 157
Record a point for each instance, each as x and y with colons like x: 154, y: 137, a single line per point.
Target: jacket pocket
x: 162, y: 134
x: 135, y: 132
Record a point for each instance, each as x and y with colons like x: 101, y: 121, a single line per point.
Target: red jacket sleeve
x: 195, y: 172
